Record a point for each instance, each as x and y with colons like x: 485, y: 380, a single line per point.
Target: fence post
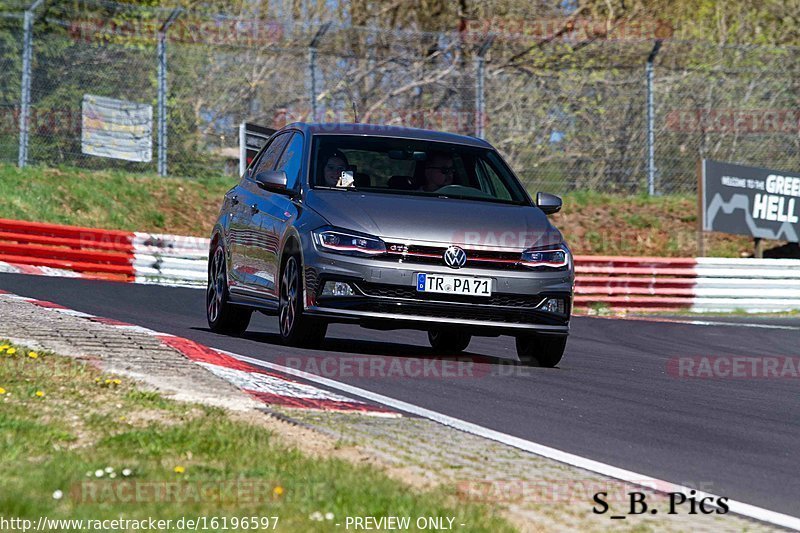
x: 162, y: 91
x: 480, y: 97
x: 312, y: 68
x: 651, y: 138
x: 25, y: 93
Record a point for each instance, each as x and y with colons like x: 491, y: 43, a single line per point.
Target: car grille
x: 433, y: 255
x: 380, y: 290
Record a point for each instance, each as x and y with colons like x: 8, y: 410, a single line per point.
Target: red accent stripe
x: 314, y: 403
x: 70, y: 232
x: 625, y: 281
x: 46, y: 304
x: 28, y: 269
x: 654, y: 261
x: 203, y: 354
x: 77, y: 266
x: 627, y: 271
x: 56, y: 252
x: 79, y: 244
x: 613, y: 290
x: 636, y: 301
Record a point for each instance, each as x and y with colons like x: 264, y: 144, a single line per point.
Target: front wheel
x: 221, y: 315
x: 445, y: 340
x: 541, y: 350
x: 296, y: 328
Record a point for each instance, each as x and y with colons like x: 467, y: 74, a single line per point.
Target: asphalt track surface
x: 612, y: 399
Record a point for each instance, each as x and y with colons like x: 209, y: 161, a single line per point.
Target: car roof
x: 378, y: 130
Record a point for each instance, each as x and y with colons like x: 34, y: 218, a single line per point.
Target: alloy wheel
x: 288, y: 297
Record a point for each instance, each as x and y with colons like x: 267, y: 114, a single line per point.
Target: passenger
x: 439, y: 172
x: 335, y: 164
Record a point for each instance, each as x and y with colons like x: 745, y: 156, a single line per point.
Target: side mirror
x: 549, y: 203
x: 272, y: 180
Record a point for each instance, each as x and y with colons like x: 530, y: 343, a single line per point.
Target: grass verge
x: 76, y: 443
x: 112, y: 199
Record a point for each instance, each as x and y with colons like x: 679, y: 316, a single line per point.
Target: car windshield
x: 413, y: 167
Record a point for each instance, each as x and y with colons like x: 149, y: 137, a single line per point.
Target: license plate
x: 444, y: 283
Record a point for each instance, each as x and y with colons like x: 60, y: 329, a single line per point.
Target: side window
x: 292, y: 160
x: 271, y: 154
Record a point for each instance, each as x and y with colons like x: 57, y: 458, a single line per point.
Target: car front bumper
x: 386, y: 297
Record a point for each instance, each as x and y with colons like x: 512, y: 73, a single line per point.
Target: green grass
x: 112, y: 199
x: 231, y: 468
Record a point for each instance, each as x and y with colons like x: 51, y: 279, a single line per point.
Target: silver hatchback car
x: 390, y: 228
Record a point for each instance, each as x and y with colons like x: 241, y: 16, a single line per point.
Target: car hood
x: 435, y: 220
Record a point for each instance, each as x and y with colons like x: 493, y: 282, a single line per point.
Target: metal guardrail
x: 702, y: 284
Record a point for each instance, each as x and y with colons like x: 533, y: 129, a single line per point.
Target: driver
x: 335, y: 164
x: 439, y: 172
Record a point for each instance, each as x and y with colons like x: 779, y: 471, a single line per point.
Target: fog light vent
x: 337, y: 288
x: 553, y: 305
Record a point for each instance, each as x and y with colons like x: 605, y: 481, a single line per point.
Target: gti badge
x: 455, y: 257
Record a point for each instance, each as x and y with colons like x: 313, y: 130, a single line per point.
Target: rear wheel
x: 222, y: 316
x: 541, y: 350
x: 449, y: 340
x: 297, y: 329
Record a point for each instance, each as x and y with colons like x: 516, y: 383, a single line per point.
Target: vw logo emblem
x: 455, y: 257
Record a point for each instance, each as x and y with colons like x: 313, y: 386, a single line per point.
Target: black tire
x: 541, y: 350
x: 296, y: 328
x: 222, y: 316
x: 449, y: 340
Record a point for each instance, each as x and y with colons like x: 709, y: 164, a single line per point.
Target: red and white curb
x: 19, y: 268
x: 268, y: 387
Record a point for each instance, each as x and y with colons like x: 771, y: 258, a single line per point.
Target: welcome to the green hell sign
x: 775, y: 205
x: 750, y: 201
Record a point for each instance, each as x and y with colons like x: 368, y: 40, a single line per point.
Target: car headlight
x: 342, y: 242
x: 547, y: 257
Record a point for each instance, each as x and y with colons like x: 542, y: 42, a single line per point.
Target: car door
x: 275, y: 211
x: 243, y: 228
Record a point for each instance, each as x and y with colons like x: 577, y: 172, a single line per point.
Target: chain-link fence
x: 568, y: 110
x: 10, y: 79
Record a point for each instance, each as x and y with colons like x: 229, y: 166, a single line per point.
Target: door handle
x: 254, y: 209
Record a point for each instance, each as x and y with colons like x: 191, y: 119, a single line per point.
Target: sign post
x: 252, y: 138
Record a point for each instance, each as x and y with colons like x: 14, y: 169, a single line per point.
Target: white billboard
x: 117, y: 129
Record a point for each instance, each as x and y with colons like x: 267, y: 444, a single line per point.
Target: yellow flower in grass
x: 11, y: 351
x: 39, y: 394
x: 4, y: 347
x: 179, y: 469
x: 2, y: 391
x: 116, y: 381
x: 33, y: 355
x: 278, y: 491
